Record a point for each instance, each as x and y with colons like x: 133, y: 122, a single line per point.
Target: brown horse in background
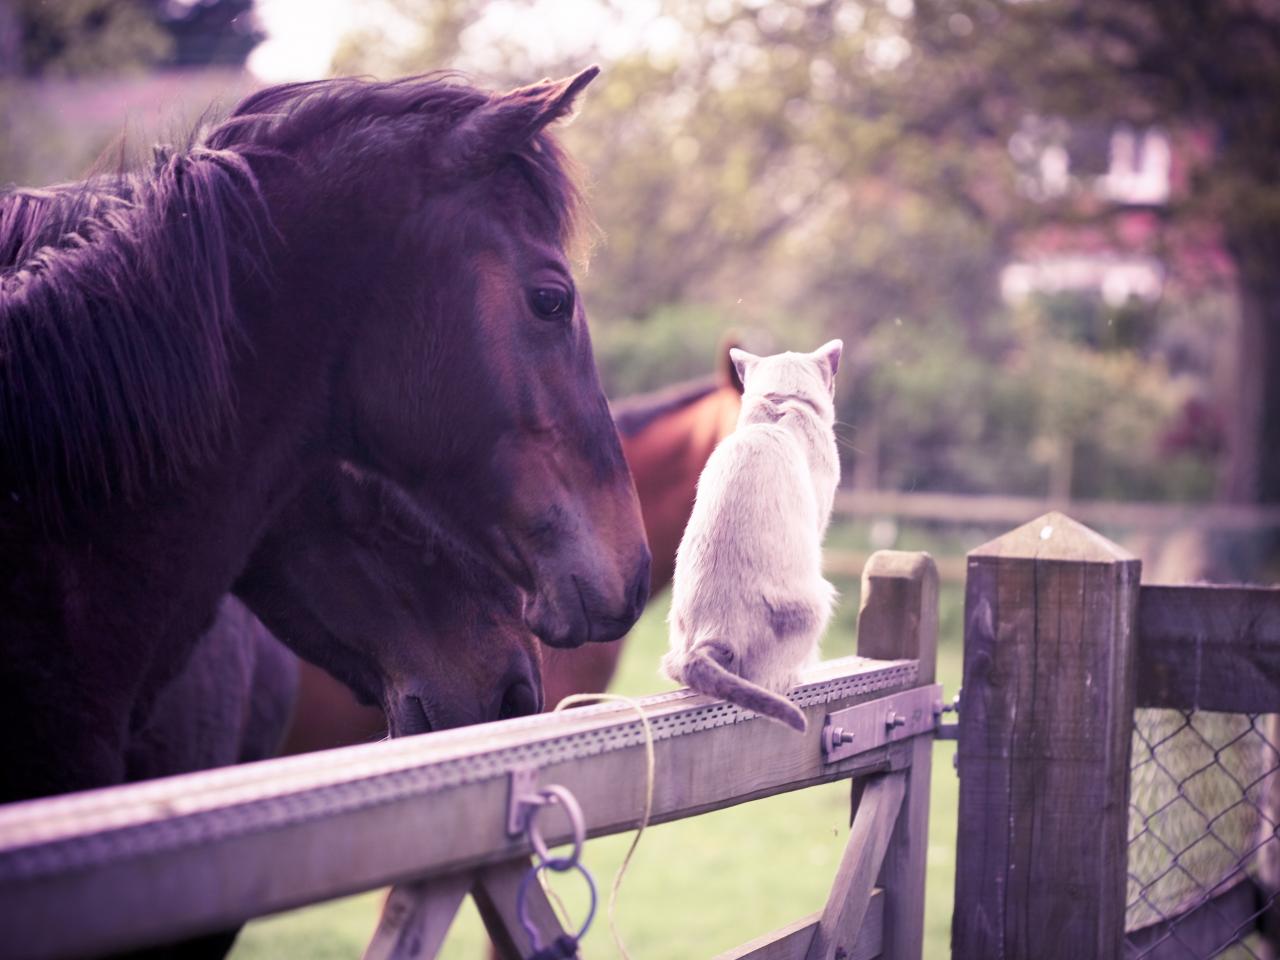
x: 667, y: 437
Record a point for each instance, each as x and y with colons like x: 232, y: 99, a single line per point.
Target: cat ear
x: 742, y: 362
x: 828, y: 358
x: 728, y: 372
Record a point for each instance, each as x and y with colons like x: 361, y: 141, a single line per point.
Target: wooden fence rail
x: 154, y: 862
x: 988, y: 509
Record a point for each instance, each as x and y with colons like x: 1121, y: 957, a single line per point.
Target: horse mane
x: 633, y: 414
x: 118, y: 321
x: 117, y: 325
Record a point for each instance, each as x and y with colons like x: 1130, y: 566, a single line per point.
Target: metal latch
x: 865, y: 726
x: 947, y: 731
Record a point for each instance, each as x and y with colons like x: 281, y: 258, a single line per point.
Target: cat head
x: 805, y: 379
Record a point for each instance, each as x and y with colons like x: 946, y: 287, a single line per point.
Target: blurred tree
x: 831, y: 167
x: 78, y: 37
x: 207, y: 32
x: 1205, y: 65
x: 48, y: 50
x: 85, y: 37
x: 765, y: 168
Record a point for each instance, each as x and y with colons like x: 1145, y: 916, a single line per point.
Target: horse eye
x: 551, y: 303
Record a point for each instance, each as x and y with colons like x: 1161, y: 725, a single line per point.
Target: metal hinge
x: 947, y: 731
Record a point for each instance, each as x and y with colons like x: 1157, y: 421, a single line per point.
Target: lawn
x: 698, y: 886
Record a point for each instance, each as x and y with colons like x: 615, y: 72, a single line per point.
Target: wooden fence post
x: 898, y: 620
x: 1046, y: 719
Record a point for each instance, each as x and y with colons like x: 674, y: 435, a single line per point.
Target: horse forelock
x: 358, y: 118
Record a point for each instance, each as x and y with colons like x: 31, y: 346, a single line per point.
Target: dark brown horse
x: 344, y: 270
x: 417, y: 626
x: 230, y: 703
x: 361, y: 583
x: 667, y: 437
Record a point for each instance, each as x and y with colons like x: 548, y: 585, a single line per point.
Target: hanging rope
x: 650, y: 765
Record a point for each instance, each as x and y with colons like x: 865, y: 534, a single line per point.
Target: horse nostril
x: 519, y: 700
x: 640, y: 592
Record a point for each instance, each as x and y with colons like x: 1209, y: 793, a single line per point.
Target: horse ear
x: 828, y: 358
x: 508, y: 121
x: 742, y: 362
x: 728, y: 372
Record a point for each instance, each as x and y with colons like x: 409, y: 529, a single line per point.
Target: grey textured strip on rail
x: 53, y: 836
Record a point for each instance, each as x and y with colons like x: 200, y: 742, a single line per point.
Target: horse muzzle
x: 575, y: 612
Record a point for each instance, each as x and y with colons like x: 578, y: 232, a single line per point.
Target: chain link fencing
x: 1204, y: 844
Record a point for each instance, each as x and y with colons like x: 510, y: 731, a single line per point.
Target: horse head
x: 358, y: 580
x: 467, y: 377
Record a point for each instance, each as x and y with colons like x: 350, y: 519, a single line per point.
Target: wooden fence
x: 989, y: 509
x: 155, y: 862
x: 1154, y: 521
x: 1061, y: 645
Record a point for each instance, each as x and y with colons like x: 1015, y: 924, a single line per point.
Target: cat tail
x: 704, y: 673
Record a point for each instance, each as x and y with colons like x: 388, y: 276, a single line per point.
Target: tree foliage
x: 865, y: 170
x: 80, y: 37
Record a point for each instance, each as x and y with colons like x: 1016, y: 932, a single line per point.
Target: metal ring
x: 522, y: 893
x: 549, y: 796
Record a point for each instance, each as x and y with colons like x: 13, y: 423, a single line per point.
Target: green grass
x: 698, y: 886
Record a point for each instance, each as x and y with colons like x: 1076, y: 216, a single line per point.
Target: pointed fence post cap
x: 1054, y: 536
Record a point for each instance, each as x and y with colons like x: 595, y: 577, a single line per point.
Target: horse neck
x: 666, y: 458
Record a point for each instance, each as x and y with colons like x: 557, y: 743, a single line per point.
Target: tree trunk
x: 11, y: 62
x: 1251, y: 470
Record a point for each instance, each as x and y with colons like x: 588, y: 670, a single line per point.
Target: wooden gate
x: 155, y: 862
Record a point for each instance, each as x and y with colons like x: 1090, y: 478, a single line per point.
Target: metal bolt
x: 840, y: 735
x: 894, y: 719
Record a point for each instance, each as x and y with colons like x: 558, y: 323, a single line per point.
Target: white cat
x: 748, y: 601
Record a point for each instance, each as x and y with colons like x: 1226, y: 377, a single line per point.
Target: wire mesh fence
x: 1204, y: 845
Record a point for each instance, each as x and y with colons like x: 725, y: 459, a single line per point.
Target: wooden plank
x: 495, y: 896
x: 898, y: 619
x: 849, y: 565
x: 1209, y: 648
x: 850, y: 895
x: 1045, y: 727
x: 792, y: 941
x: 162, y: 860
x: 1202, y: 931
x: 989, y: 510
x: 415, y: 919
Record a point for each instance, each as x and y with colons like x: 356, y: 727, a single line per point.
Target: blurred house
x: 1112, y: 241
